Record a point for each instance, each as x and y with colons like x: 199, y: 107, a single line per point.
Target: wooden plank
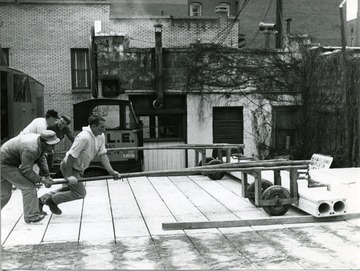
x: 261, y: 252
x: 253, y: 222
x: 27, y: 234
x: 11, y: 214
x: 210, y: 207
x: 23, y: 233
x: 233, y: 202
x: 218, y: 252
x: 180, y: 206
x: 64, y: 227
x: 153, y: 208
x: 127, y: 217
x: 96, y: 222
x: 323, y: 247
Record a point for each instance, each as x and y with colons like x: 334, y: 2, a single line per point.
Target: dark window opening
x: 80, y: 70
x: 162, y: 124
x: 287, y: 127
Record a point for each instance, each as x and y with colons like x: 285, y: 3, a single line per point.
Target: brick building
x: 50, y: 40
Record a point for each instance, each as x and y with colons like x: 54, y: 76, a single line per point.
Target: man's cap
x: 52, y: 113
x: 67, y: 119
x: 49, y: 137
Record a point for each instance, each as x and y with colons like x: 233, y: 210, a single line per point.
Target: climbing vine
x: 329, y: 124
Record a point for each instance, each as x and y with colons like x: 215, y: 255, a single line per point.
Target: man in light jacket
x: 87, y: 144
x: 18, y: 156
x: 41, y: 124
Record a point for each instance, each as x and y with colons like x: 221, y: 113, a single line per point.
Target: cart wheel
x: 207, y: 160
x: 215, y: 175
x: 265, y: 184
x: 276, y: 191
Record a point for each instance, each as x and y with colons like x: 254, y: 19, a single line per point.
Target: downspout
x: 158, y: 102
x: 346, y: 91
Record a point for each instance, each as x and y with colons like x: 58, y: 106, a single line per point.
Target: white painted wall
x: 200, y: 120
x: 163, y: 159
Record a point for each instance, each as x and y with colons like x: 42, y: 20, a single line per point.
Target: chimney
x: 288, y: 21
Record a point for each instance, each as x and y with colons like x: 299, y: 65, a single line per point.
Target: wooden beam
x: 256, y: 222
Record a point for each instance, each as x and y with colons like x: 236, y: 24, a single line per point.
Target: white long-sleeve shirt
x: 36, y: 126
x: 85, y: 147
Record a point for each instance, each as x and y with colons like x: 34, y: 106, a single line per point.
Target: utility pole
x: 279, y: 25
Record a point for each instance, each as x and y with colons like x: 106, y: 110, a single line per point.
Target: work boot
x: 41, y: 205
x: 53, y: 207
x: 34, y: 219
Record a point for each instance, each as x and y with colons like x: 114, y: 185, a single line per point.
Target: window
x: 287, y: 127
x: 163, y: 124
x: 117, y: 117
x: 6, y: 57
x: 223, y: 7
x: 21, y: 89
x: 195, y: 9
x: 80, y: 70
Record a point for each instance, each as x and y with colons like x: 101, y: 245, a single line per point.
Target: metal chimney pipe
x: 288, y: 21
x: 158, y: 67
x: 343, y: 37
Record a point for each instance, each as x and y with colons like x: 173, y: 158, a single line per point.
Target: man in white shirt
x: 87, y: 144
x: 41, y: 124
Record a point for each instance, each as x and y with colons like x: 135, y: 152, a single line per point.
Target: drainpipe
x: 347, y: 109
x: 158, y: 102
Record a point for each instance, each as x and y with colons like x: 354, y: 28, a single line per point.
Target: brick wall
x: 40, y: 37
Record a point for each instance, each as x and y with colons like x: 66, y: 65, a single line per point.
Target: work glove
x: 72, y: 180
x: 47, y: 181
x: 116, y: 175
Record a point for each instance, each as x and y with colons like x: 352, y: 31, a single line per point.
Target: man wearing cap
x: 88, y: 143
x: 18, y: 156
x: 40, y: 124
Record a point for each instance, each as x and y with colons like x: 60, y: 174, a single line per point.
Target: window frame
x: 226, y: 5
x: 75, y: 70
x: 195, y: 5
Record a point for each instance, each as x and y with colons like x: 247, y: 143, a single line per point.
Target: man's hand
x: 116, y: 175
x: 72, y: 180
x: 47, y: 181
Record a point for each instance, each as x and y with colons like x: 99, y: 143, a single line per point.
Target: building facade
x: 51, y: 41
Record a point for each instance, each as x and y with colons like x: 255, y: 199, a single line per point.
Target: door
x: 228, y: 125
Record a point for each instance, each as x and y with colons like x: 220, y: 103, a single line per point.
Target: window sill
x: 81, y: 90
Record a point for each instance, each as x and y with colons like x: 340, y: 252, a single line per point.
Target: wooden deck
x: 119, y: 226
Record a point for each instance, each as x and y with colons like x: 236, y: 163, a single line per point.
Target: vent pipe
x: 343, y: 37
x: 158, y: 102
x: 288, y: 21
